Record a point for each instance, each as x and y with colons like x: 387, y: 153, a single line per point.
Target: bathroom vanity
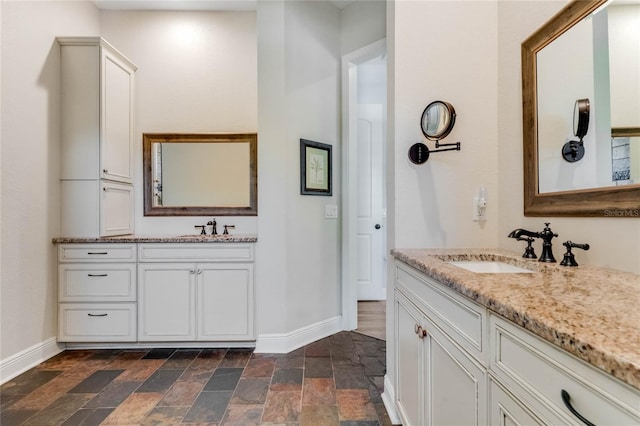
x: 544, y: 345
x: 174, y: 291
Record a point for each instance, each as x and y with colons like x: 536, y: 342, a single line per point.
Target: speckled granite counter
x: 593, y: 313
x: 237, y: 238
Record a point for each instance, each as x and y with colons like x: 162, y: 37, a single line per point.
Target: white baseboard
x: 22, y: 361
x: 157, y: 345
x: 388, y: 398
x: 282, y: 343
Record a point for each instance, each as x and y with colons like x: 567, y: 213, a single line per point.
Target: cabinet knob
x: 105, y: 171
x: 422, y: 333
x: 192, y: 271
x: 199, y: 271
x: 416, y: 328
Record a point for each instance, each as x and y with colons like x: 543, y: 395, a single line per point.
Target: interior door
x: 370, y: 206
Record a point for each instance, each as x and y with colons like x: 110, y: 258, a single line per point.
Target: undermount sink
x: 489, y: 267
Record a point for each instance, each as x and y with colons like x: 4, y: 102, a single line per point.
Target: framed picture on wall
x: 315, y: 168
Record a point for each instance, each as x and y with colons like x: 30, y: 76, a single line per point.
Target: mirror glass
x: 200, y: 174
x: 596, y: 59
x: 587, y: 51
x: 437, y: 120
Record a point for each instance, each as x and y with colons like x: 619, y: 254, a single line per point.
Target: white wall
x: 445, y: 51
x: 614, y: 242
x: 298, y: 256
x: 197, y: 72
x: 30, y: 163
x: 362, y: 23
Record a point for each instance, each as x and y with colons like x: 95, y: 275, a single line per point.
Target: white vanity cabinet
x: 201, y: 292
x: 96, y: 293
x: 458, y: 363
x: 97, y: 158
x: 438, y: 383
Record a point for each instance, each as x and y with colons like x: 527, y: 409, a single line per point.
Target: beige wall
x: 450, y: 58
x: 298, y: 255
x: 30, y: 163
x: 197, y: 72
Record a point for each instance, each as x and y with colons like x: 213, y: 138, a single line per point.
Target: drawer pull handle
x: 566, y: 398
x: 97, y: 315
x: 98, y: 275
x: 97, y: 252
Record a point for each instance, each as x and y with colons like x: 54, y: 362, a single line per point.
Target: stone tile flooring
x: 335, y: 381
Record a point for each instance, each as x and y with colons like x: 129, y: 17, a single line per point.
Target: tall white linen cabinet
x: 97, y: 158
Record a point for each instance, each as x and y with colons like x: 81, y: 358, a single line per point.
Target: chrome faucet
x: 546, y: 235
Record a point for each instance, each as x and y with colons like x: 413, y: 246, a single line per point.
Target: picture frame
x: 315, y: 168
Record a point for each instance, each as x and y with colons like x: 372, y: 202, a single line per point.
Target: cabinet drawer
x: 97, y: 282
x: 210, y: 252
x: 97, y: 322
x: 505, y: 410
x: 97, y: 253
x: 538, y: 372
x: 458, y: 317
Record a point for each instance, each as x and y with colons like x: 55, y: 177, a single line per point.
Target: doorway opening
x: 364, y: 244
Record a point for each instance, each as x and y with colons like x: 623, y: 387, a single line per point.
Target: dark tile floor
x: 335, y: 381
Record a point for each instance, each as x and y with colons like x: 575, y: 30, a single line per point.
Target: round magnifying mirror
x: 437, y: 120
x: 581, y: 118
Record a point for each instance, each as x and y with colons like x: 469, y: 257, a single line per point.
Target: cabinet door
x: 166, y: 302
x: 225, y: 301
x: 116, y: 209
x: 455, y: 386
x: 116, y: 148
x: 409, y: 362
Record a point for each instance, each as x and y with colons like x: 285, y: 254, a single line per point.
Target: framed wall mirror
x: 584, y: 52
x: 191, y: 174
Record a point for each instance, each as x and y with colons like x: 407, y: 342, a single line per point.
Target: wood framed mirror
x: 610, y: 199
x: 192, y: 174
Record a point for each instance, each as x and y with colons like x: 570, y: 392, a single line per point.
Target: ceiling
x: 237, y: 5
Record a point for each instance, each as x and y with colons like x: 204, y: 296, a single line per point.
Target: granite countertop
x: 231, y: 238
x: 590, y: 312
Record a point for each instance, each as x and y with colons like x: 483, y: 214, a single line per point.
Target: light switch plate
x: 330, y: 211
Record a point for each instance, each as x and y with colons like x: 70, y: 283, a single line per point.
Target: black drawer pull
x: 98, y: 275
x: 97, y: 252
x: 566, y: 398
x: 97, y: 315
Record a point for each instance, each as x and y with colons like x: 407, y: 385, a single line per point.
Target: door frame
x: 350, y: 62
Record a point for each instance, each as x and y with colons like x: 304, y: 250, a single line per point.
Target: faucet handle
x: 569, y: 259
x: 226, y: 229
x: 202, y: 229
x: 529, y: 253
